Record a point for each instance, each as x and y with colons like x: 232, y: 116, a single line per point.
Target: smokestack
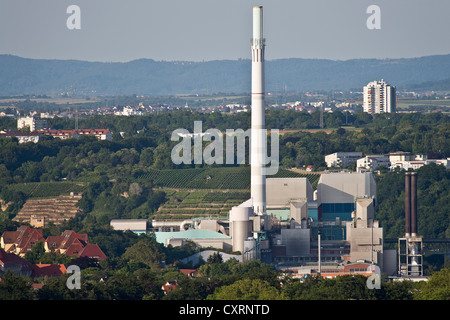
x: 258, y: 134
x: 413, y: 204
x: 407, y: 205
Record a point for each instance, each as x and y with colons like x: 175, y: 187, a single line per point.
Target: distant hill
x: 148, y: 77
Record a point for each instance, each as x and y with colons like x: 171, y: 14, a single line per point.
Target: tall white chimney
x: 258, y: 132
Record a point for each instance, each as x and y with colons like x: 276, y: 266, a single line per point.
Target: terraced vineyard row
x: 184, y: 204
x: 212, y: 178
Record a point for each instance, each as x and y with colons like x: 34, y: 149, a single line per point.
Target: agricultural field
x: 206, y: 192
x: 48, y: 189
x: 185, y: 204
x: 233, y: 178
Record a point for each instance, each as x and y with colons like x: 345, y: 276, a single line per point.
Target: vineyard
x: 212, y: 178
x: 47, y: 189
x: 187, y: 204
x: 206, y: 192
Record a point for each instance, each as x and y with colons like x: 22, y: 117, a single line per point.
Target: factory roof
x: 189, y: 234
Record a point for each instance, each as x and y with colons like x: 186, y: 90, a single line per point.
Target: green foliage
x: 14, y: 287
x: 433, y: 185
x: 147, y: 251
x: 247, y: 289
x: 436, y: 288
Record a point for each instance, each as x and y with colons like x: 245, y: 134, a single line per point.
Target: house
x: 70, y: 243
x: 191, y: 273
x: 48, y: 270
x: 21, y: 240
x: 169, y: 287
x: 14, y: 263
x: 100, y: 134
x: 92, y: 251
x: 23, y: 137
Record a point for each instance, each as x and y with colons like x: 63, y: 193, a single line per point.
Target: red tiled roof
x: 40, y: 270
x: 188, y: 272
x: 24, y: 237
x: 12, y: 259
x: 92, y: 251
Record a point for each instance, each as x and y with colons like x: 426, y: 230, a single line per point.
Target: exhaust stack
x: 258, y: 134
x: 410, y: 204
x: 413, y: 204
x: 407, y: 205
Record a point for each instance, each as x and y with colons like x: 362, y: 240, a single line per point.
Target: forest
x: 139, y: 163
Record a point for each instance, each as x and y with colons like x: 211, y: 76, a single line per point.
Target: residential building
x: 15, y: 264
x: 379, y: 97
x: 342, y: 159
x: 372, y: 163
x: 32, y: 123
x: 21, y: 267
x: 23, y: 137
x: 416, y: 164
x: 22, y: 240
x: 100, y: 134
x: 69, y: 243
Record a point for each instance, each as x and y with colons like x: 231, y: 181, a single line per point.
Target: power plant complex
x: 330, y: 230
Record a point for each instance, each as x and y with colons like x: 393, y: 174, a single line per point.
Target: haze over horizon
x: 209, y: 30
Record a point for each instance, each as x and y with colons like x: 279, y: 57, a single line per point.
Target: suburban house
x: 69, y: 243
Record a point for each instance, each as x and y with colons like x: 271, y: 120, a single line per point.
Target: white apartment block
x: 416, y: 164
x: 372, y: 162
x: 379, y: 97
x: 342, y: 159
x: 406, y: 160
x: 33, y: 123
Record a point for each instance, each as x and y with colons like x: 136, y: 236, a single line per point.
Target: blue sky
x: 196, y: 30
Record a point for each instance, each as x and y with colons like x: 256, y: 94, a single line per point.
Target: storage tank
x: 249, y: 253
x: 240, y: 223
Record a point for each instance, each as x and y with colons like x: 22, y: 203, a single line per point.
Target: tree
x: 247, y: 289
x: 14, y: 287
x: 36, y: 253
x: 436, y: 288
x: 147, y: 251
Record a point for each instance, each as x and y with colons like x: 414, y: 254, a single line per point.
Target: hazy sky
x: 197, y: 30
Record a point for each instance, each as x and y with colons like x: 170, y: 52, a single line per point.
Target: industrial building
x: 286, y: 222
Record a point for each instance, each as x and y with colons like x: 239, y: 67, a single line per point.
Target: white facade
x: 372, y: 162
x: 134, y: 225
x: 416, y: 164
x: 379, y: 97
x: 342, y: 159
x: 32, y: 123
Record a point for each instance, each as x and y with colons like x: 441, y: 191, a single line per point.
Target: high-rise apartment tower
x: 379, y: 97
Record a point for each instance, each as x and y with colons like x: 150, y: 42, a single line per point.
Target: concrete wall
x: 279, y: 191
x: 345, y: 187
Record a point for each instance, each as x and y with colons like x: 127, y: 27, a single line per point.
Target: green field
x: 406, y: 103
